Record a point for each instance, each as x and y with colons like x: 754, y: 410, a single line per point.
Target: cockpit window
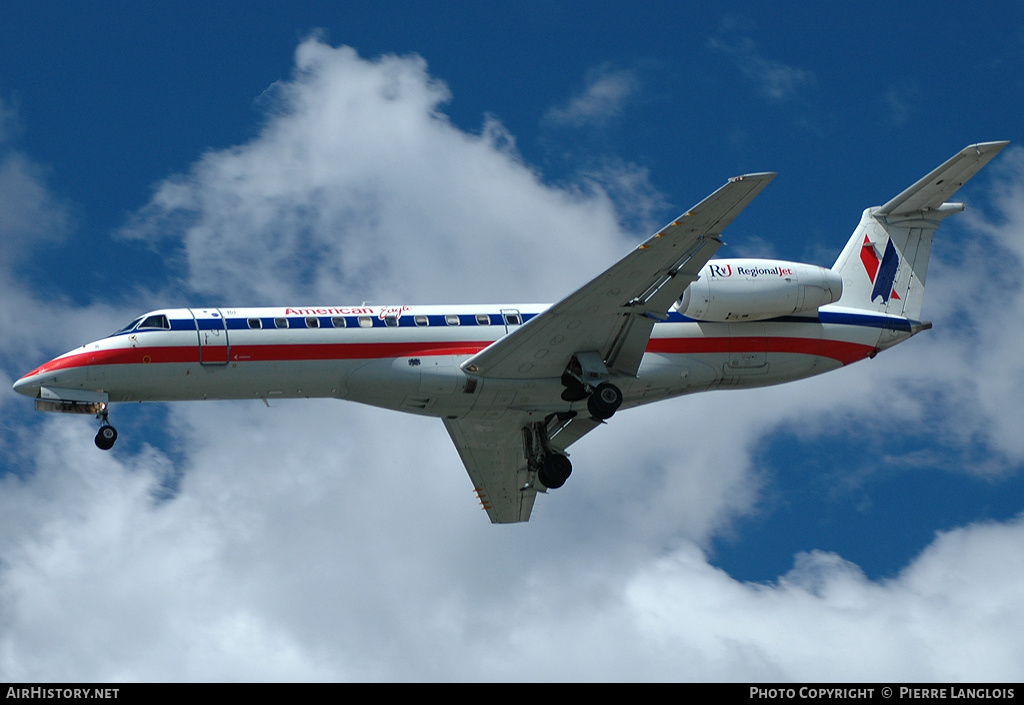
x: 128, y: 327
x: 159, y: 321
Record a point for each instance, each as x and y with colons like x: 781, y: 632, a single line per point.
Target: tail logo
x: 881, y: 272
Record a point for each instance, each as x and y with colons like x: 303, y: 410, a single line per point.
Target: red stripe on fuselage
x: 260, y: 353
x: 842, y: 351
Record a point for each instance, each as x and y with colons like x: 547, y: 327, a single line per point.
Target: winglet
x: 937, y: 187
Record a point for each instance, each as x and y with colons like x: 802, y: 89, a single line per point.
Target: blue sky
x: 850, y: 527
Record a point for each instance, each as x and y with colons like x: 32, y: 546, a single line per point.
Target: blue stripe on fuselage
x: 867, y: 320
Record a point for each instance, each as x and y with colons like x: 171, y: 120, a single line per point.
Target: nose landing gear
x: 107, y: 434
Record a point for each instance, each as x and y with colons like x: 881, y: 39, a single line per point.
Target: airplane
x: 516, y: 384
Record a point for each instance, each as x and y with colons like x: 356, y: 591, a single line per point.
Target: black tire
x: 605, y: 401
x: 555, y: 471
x: 105, y: 437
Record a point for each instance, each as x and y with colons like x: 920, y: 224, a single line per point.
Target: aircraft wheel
x: 105, y: 437
x: 605, y: 401
x: 554, y: 471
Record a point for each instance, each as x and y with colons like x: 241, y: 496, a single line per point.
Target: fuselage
x: 517, y: 385
x: 408, y: 357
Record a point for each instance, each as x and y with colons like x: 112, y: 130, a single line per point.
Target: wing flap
x: 608, y: 313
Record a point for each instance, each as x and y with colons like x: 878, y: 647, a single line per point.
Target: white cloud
x: 637, y: 201
x: 824, y: 621
x: 606, y: 94
x: 28, y: 213
x: 284, y: 558
x: 360, y: 189
x: 774, y: 79
x: 322, y: 540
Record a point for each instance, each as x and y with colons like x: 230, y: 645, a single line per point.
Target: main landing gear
x: 552, y: 468
x: 604, y: 401
x: 551, y: 465
x: 107, y: 434
x: 583, y: 379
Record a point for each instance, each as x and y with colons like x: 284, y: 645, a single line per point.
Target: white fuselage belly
x: 409, y: 360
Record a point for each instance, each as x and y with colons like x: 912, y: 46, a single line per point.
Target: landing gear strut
x: 107, y: 434
x: 552, y: 468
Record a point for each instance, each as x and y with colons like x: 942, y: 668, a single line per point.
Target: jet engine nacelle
x: 756, y: 289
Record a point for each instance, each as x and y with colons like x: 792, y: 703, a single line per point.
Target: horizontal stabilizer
x: 885, y: 261
x: 935, y: 189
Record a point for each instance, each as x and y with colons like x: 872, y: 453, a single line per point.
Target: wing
x: 494, y: 453
x: 614, y: 313
x: 933, y: 190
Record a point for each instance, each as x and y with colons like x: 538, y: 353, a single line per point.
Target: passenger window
x: 365, y: 322
x: 391, y: 321
x: 338, y: 322
x: 482, y: 319
x: 422, y: 320
x: 452, y: 319
x: 156, y: 322
x: 312, y: 322
x: 513, y: 319
x: 255, y: 323
x: 281, y: 322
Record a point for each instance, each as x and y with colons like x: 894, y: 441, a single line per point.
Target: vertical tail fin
x: 885, y: 261
x: 884, y: 264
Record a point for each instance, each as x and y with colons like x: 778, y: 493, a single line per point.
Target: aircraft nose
x: 28, y: 385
